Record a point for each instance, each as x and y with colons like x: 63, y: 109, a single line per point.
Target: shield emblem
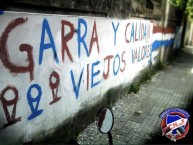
x: 173, y: 118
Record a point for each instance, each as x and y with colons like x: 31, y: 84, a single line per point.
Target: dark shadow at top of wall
x: 104, y: 8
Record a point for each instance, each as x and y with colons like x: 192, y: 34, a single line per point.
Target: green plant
x: 153, y: 71
x: 159, y: 66
x: 145, y: 76
x: 185, y: 5
x: 134, y: 88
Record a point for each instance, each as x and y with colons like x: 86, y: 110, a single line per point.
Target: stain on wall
x: 52, y: 64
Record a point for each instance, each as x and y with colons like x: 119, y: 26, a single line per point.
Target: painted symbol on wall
x: 32, y: 101
x: 54, y: 87
x: 11, y: 118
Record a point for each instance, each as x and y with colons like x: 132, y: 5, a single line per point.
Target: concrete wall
x: 52, y: 66
x: 189, y: 33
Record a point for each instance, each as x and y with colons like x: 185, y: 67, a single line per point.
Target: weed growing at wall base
x: 134, y: 88
x: 159, y: 66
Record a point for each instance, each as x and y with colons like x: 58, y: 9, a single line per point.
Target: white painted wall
x: 30, y: 33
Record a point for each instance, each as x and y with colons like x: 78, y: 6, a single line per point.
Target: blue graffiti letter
x: 81, y: 38
x: 94, y: 73
x: 145, y: 33
x: 115, y: 32
x: 43, y: 45
x: 31, y: 100
x: 132, y: 32
x: 115, y: 72
x: 76, y: 88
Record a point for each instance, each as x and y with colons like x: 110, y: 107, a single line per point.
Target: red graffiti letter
x: 108, y: 58
x: 94, y: 39
x: 122, y: 69
x: 126, y: 33
x: 11, y: 119
x: 66, y: 38
x: 4, y: 56
x: 54, y: 86
x: 142, y: 31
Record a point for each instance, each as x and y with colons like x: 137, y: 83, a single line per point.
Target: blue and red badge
x: 175, y: 124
